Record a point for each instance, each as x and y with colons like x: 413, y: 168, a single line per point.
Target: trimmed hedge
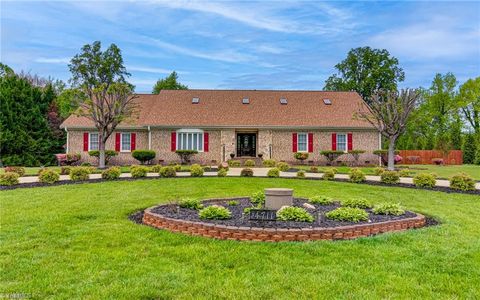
x: 301, y: 174
x: 283, y: 166
x: 19, y: 170
x: 425, y: 180
x: 234, y: 163
x: 138, y: 171
x: 111, y: 173
x: 357, y: 176
x: 222, y: 173
x: 273, y: 173
x: 390, y: 177
x: 9, y: 178
x: 269, y: 163
x: 48, y: 176
x: 168, y: 171
x: 143, y: 156
x: 247, y: 172
x: 462, y: 182
x: 196, y: 170
x: 249, y: 163
x: 79, y: 173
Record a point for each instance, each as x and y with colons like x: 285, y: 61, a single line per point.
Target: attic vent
x: 195, y: 100
x: 246, y: 101
x: 283, y: 101
x: 327, y: 101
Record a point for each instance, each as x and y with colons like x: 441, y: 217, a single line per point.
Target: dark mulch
x: 137, y: 217
x: 242, y: 220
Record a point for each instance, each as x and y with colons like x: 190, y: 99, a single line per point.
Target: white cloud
x: 153, y: 70
x: 53, y: 60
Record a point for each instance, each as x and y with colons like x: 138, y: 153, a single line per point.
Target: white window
x: 302, y: 142
x: 341, y: 142
x: 125, y: 142
x: 190, y: 140
x: 92, y: 141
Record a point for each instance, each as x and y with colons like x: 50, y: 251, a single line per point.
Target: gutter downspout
x: 380, y: 148
x: 66, y: 150
x: 149, y: 138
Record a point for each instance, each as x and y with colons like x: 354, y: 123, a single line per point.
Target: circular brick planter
x: 278, y: 234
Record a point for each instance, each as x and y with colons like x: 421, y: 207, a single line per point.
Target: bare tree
x: 388, y: 112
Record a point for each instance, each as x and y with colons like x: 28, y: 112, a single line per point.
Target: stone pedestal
x: 275, y: 198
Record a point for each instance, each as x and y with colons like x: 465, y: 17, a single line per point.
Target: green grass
x: 75, y: 241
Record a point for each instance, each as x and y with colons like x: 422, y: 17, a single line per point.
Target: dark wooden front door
x: 246, y: 144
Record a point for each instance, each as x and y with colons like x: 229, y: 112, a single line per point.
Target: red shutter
x: 334, y: 141
x: 133, y: 141
x: 350, y: 141
x: 117, y: 141
x: 173, y: 140
x: 310, y: 142
x: 205, y: 142
x: 85, y: 141
x: 294, y: 142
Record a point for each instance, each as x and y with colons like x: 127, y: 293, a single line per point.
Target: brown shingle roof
x: 224, y: 108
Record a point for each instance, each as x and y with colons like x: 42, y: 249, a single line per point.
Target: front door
x: 246, y: 144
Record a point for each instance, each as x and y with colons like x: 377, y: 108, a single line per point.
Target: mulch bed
x: 242, y: 220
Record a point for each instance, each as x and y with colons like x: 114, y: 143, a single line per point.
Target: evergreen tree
x: 469, y: 149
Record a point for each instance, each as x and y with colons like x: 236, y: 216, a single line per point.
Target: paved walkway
x: 261, y: 172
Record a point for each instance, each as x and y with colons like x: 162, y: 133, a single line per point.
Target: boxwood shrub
x: 168, y: 171
x: 249, y: 163
x: 347, y: 214
x: 462, y: 182
x: 405, y: 172
x: 111, y: 173
x: 357, y: 203
x: 190, y: 203
x: 292, y: 213
x: 143, y: 156
x: 328, y: 174
x: 313, y: 169
x: 425, y: 180
x: 356, y: 175
x: 322, y: 200
x: 247, y: 172
x: 9, y: 178
x: 388, y: 209
x: 155, y: 168
x: 273, y: 172
x: 196, y: 170
x: 390, y: 177
x: 138, y: 171
x: 48, y: 176
x: 65, y: 170
x: 301, y: 174
x: 215, y: 212
x: 234, y: 163
x: 269, y: 163
x: 79, y: 173
x: 222, y: 173
x: 378, y: 171
x: 19, y: 170
x: 283, y: 166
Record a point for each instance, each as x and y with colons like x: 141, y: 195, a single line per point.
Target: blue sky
x: 247, y: 45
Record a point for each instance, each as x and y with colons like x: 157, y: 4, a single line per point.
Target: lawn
x: 75, y: 241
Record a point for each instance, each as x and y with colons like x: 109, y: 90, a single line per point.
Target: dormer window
x: 283, y: 101
x: 195, y: 100
x: 245, y: 101
x: 327, y: 101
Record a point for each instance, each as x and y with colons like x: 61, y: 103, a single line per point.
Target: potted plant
x: 232, y: 155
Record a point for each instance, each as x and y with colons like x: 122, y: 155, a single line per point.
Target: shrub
x: 65, y: 170
x: 234, y: 163
x: 247, y: 172
x: 274, y: 172
x: 108, y: 154
x: 48, y: 176
x: 249, y: 163
x: 313, y: 170
x: 206, y: 168
x: 143, y: 156
x: 155, y: 168
x: 405, y: 172
x: 190, y: 203
x: 177, y: 168
x: 196, y: 171
x: 138, y: 171
x: 322, y: 200
x: 388, y: 209
x: 111, y: 173
x: 72, y: 158
x: 269, y: 163
x: 19, y: 170
x: 357, y: 203
x: 329, y: 174
x: 222, y: 173
x: 215, y: 212
x: 186, y: 155
x: 332, y: 155
x: 462, y: 182
x: 79, y: 173
x: 233, y: 203
x: 9, y: 178
x: 283, y: 166
x: 390, y: 177
x: 292, y: 213
x: 424, y: 180
x: 356, y: 175
x: 168, y: 171
x: 378, y: 171
x: 86, y: 164
x: 258, y: 198
x: 223, y: 166
x: 347, y: 214
x: 301, y: 156
x: 301, y: 174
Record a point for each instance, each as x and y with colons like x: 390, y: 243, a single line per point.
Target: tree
x: 100, y: 76
x: 168, y: 83
x: 366, y: 70
x: 469, y: 101
x: 388, y: 112
x: 469, y: 149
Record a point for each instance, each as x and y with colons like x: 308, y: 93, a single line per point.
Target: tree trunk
x: 391, y: 153
x: 101, y: 150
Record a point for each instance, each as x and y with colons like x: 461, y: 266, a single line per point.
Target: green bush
x: 273, y: 172
x: 177, y: 167
x: 233, y: 203
x: 301, y: 174
x: 222, y: 173
x: 300, y: 156
x: 234, y: 163
x: 405, y: 172
x: 322, y: 200
x: 313, y: 170
x: 65, y: 170
x: 9, y: 178
x: 168, y: 171
x: 191, y: 203
x: 215, y: 212
x: 347, y: 214
x: 48, y: 176
x: 357, y: 203
x: 206, y: 168
x: 356, y: 175
x: 223, y: 166
x: 462, y: 182
x: 249, y: 163
x: 425, y: 180
x: 247, y: 172
x: 143, y: 156
x: 86, y: 164
x: 138, y: 171
x: 390, y: 177
x: 292, y: 213
x: 269, y: 163
x: 108, y: 154
x: 19, y: 170
x: 155, y: 168
x: 283, y: 166
x: 328, y: 174
x: 388, y: 209
x: 378, y: 171
x: 258, y: 198
x: 196, y: 171
x: 79, y: 173
x: 111, y: 173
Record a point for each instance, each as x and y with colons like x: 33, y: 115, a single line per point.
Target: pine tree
x: 469, y: 149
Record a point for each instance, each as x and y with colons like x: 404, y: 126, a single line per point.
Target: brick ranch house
x: 244, y: 122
